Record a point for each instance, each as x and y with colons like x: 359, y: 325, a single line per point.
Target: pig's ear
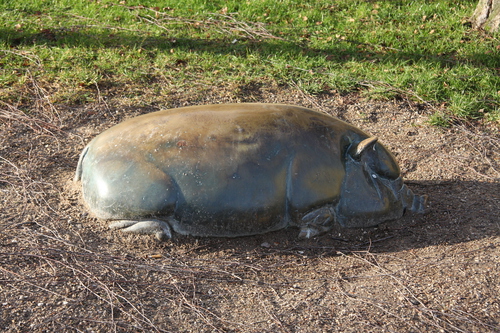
x: 363, y: 146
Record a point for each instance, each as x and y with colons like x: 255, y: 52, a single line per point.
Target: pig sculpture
x: 234, y: 170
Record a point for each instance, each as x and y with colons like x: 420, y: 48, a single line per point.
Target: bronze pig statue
x: 234, y: 170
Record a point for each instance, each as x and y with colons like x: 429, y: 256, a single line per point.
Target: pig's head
x: 373, y: 190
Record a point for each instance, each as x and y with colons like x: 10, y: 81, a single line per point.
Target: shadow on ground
x: 340, y: 51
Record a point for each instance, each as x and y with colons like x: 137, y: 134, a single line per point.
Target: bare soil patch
x: 62, y: 270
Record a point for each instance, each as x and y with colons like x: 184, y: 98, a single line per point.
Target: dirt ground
x: 62, y: 270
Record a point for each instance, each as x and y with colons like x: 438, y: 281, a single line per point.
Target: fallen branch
x: 226, y: 24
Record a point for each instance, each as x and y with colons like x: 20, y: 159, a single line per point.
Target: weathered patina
x: 240, y: 169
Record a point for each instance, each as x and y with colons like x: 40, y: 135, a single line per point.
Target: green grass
x: 423, y: 50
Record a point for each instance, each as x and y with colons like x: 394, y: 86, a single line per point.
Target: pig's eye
x: 381, y: 162
x: 375, y: 156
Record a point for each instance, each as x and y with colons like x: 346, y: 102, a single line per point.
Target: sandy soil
x: 62, y: 270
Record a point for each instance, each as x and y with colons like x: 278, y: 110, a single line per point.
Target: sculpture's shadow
x: 458, y: 212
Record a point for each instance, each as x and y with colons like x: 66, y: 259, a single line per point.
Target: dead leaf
x: 156, y: 256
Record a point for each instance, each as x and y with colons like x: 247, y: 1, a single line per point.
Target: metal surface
x: 240, y: 169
